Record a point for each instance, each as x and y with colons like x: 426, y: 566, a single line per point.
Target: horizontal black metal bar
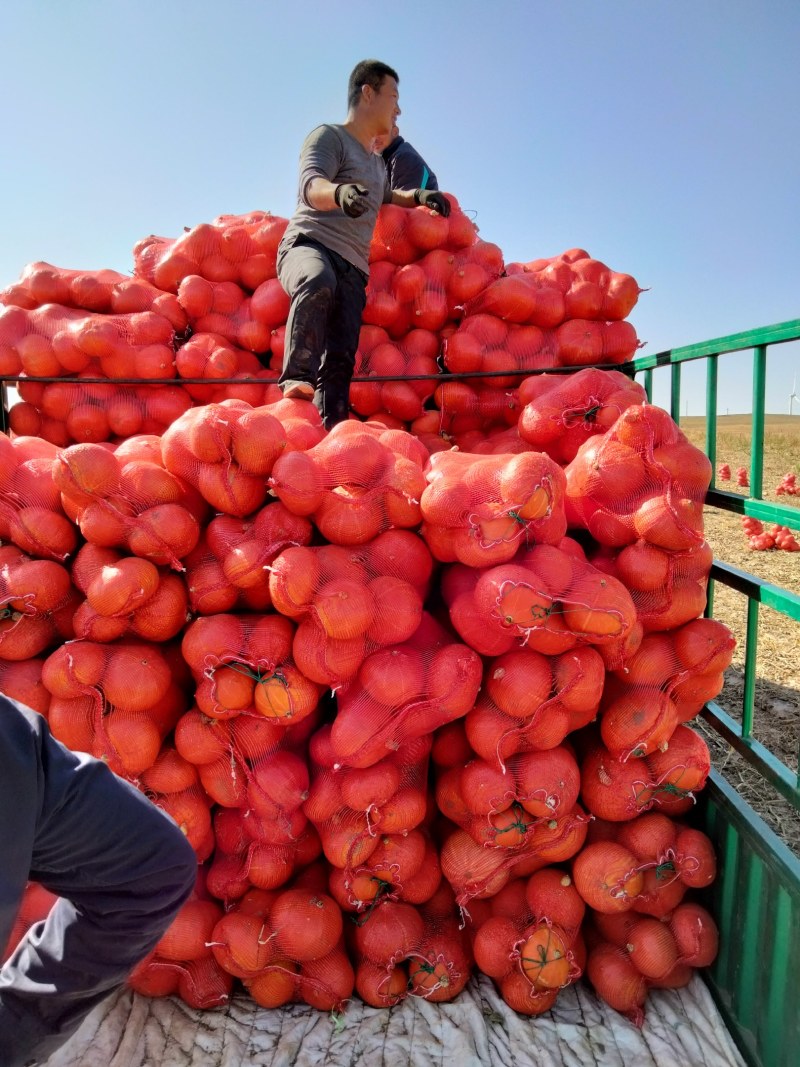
x: 759, y: 509
x: 444, y: 376
x: 755, y: 588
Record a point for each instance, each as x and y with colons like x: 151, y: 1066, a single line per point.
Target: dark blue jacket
x: 406, y: 167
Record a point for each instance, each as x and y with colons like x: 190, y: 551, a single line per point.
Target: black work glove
x: 433, y: 199
x: 352, y: 199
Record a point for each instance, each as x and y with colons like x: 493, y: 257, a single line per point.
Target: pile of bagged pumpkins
x: 419, y: 690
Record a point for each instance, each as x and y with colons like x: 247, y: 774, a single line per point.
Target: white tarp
x: 682, y: 1029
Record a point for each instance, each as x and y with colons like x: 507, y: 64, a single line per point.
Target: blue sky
x: 660, y: 136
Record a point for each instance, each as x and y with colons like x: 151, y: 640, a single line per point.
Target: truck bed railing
x: 757, y: 591
x: 755, y: 898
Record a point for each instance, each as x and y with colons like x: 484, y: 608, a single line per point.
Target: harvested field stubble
x: 776, y: 718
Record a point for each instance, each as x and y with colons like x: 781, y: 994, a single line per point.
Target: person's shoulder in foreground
x: 120, y: 867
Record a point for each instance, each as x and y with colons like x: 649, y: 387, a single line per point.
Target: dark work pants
x: 120, y: 865
x: 327, y: 296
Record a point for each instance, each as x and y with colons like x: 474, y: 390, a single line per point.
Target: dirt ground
x: 776, y: 718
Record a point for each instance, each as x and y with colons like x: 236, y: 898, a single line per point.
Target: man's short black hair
x: 368, y: 72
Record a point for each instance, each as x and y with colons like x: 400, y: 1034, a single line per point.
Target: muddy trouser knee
x: 306, y: 273
x: 121, y: 867
x: 328, y: 295
x: 339, y: 359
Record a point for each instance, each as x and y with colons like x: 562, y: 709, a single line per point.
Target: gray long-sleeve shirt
x: 121, y: 867
x: 332, y: 152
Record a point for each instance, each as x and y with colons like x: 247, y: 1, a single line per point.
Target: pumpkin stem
x: 240, y: 668
x: 586, y: 415
x: 384, y: 888
x: 664, y: 870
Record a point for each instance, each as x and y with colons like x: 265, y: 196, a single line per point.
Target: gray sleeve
x: 321, y: 156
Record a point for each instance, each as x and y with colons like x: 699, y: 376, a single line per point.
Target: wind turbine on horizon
x: 793, y: 395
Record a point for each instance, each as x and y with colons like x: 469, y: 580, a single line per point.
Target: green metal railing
x: 757, y: 591
x: 756, y: 896
x: 755, y: 901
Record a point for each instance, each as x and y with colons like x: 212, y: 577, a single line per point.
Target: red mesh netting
x: 485, y: 343
x: 182, y: 961
x: 95, y: 708
x: 530, y: 702
x: 403, y: 867
x: 232, y: 248
x: 350, y: 601
x: 37, y: 600
x: 101, y: 291
x: 590, y: 289
x: 219, y: 355
x: 477, y: 872
x: 126, y: 595
x: 480, y: 510
x: 668, y: 586
x: 641, y: 479
x: 641, y: 927
x: 618, y: 790
x: 413, y: 354
x: 60, y: 341
x: 226, y: 451
x: 230, y: 566
x: 549, y: 599
x: 256, y: 768
x: 53, y: 341
x: 401, y: 951
x: 498, y: 440
x: 22, y: 680
x: 477, y: 413
x: 402, y: 692
x: 665, y: 682
x: 672, y: 858
x: 430, y: 292
x: 404, y: 236
x: 224, y: 308
x: 632, y: 954
x: 201, y: 983
x: 503, y: 806
x: 244, y: 663
x: 559, y: 412
x: 32, y: 515
x: 286, y: 945
x: 521, y: 298
x: 360, y: 480
x: 127, y: 498
x: 528, y: 939
x: 367, y: 818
